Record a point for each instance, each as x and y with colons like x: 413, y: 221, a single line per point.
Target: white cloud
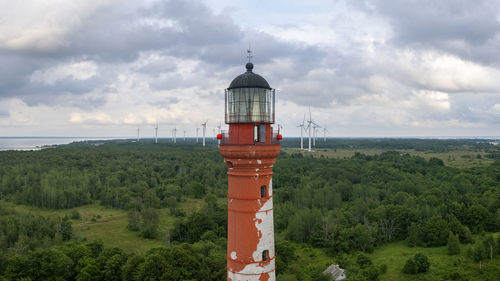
x: 91, y: 118
x: 434, y: 99
x: 77, y: 70
x: 448, y: 72
x: 42, y: 25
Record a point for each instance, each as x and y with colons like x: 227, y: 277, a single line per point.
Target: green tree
x: 96, y: 247
x: 422, y: 262
x: 363, y: 237
x: 113, y: 268
x: 363, y: 261
x: 66, y: 229
x: 50, y: 264
x: 434, y: 232
x: 453, y: 244
x: 197, y: 189
x: 153, y: 268
x: 130, y: 271
x: 88, y: 269
x: 150, y: 221
x: 134, y: 220
x: 410, y: 267
x: 285, y: 254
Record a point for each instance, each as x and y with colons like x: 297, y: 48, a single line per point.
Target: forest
x: 342, y: 210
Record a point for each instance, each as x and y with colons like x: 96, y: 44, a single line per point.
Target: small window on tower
x: 262, y: 133
x: 263, y: 192
x: 259, y: 133
x: 265, y: 255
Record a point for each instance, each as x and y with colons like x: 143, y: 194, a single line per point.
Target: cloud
x: 369, y: 66
x: 98, y: 118
x: 468, y: 29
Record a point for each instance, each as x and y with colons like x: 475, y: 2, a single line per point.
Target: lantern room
x: 249, y: 99
x: 249, y: 110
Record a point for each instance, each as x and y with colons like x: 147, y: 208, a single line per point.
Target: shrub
x: 75, y: 215
x: 418, y: 264
x: 422, y: 262
x: 363, y: 261
x: 410, y: 267
x: 453, y: 244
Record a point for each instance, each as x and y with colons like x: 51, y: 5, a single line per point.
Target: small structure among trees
x: 334, y: 272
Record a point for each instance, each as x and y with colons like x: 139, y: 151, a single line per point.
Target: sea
x: 37, y: 143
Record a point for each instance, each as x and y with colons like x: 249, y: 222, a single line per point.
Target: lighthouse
x: 250, y: 148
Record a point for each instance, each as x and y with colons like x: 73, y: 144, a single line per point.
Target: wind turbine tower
x: 197, y: 132
x: 315, y: 131
x: 204, y: 125
x: 174, y: 135
x: 137, y: 133
x: 324, y: 133
x: 301, y: 126
x: 309, y: 126
x: 156, y: 133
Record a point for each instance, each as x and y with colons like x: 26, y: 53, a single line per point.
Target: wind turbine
x: 324, y: 133
x: 184, y: 135
x: 302, y: 132
x: 315, y: 136
x: 174, y: 135
x: 204, y: 130
x: 197, y: 132
x: 137, y: 133
x: 156, y: 133
x: 309, y: 126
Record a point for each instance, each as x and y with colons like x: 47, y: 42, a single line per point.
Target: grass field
x: 457, y: 158
x: 394, y: 255
x: 110, y: 225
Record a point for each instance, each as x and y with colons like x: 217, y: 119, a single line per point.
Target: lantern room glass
x: 249, y: 105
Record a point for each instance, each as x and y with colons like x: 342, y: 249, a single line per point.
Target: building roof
x: 249, y: 80
x: 335, y: 271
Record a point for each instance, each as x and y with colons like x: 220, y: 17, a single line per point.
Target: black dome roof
x: 249, y: 80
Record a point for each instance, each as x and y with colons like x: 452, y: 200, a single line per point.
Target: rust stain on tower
x: 250, y: 148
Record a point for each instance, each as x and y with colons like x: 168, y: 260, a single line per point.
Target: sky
x: 366, y: 68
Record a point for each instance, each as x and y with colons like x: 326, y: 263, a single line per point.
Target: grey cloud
x: 4, y: 113
x: 156, y: 67
x: 469, y: 29
x: 165, y: 102
x: 116, y: 35
x: 469, y: 107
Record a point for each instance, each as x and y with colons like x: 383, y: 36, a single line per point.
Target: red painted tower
x: 250, y: 149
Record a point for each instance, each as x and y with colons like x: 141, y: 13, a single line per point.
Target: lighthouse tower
x: 250, y: 148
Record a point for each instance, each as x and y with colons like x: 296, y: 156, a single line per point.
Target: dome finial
x: 249, y: 65
x: 249, y: 52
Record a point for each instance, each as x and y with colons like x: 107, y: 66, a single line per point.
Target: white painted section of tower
x: 254, y: 267
x: 264, y: 222
x: 265, y: 225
